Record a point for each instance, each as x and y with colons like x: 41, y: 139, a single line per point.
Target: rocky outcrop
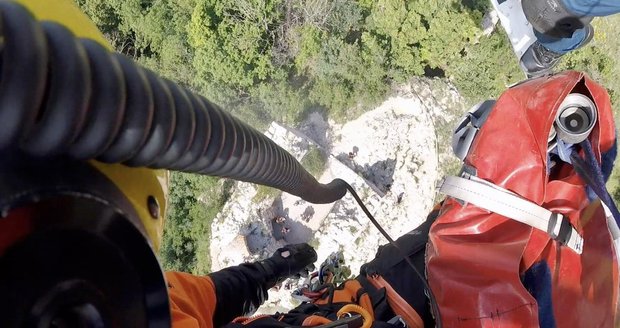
x: 393, y: 156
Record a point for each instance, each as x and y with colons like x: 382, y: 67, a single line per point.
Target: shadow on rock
x: 256, y: 239
x: 290, y: 231
x: 307, y: 214
x: 298, y: 233
x: 380, y: 174
x: 316, y: 128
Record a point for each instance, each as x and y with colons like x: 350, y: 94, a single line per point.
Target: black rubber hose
x: 23, y: 71
x: 64, y: 95
x: 106, y: 105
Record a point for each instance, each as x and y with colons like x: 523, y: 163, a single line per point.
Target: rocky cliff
x: 393, y: 156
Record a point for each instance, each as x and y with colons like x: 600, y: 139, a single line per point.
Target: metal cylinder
x: 575, y: 118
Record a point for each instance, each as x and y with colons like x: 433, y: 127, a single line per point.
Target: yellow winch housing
x: 137, y: 184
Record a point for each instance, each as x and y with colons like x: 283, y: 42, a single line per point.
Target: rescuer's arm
x: 221, y: 296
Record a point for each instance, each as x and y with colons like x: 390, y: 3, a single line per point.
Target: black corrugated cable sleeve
x: 62, y: 95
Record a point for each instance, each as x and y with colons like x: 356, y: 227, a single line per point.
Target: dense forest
x: 268, y: 60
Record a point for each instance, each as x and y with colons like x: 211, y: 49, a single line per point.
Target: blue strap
x: 590, y: 171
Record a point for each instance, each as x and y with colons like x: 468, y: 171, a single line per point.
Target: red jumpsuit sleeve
x: 192, y: 300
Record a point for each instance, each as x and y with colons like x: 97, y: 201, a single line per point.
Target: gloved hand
x: 289, y: 261
x: 241, y: 289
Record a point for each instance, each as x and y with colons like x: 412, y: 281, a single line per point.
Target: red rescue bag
x: 488, y: 270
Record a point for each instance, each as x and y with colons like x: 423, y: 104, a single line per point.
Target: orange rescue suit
x: 192, y: 300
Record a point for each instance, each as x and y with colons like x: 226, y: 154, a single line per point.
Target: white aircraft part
x: 515, y: 24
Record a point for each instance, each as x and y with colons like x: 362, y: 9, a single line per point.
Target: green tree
x: 314, y: 161
x: 232, y: 39
x: 194, y: 201
x: 486, y: 69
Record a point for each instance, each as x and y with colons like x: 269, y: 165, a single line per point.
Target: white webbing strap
x: 506, y: 203
x: 614, y: 230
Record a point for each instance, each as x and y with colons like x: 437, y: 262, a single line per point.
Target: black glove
x: 289, y: 261
x: 241, y: 289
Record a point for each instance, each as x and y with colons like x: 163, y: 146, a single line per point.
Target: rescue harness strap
x: 486, y: 195
x: 429, y: 292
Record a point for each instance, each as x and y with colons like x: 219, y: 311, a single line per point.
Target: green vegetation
x: 270, y: 60
x: 314, y: 242
x: 314, y: 161
x: 194, y: 201
x: 264, y: 192
x: 605, y: 67
x: 487, y: 68
x: 278, y: 59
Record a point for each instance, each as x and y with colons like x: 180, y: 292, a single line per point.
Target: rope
x: 347, y: 309
x: 590, y: 171
x: 429, y: 292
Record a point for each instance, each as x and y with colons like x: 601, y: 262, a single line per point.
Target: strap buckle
x: 493, y: 198
x: 562, y: 231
